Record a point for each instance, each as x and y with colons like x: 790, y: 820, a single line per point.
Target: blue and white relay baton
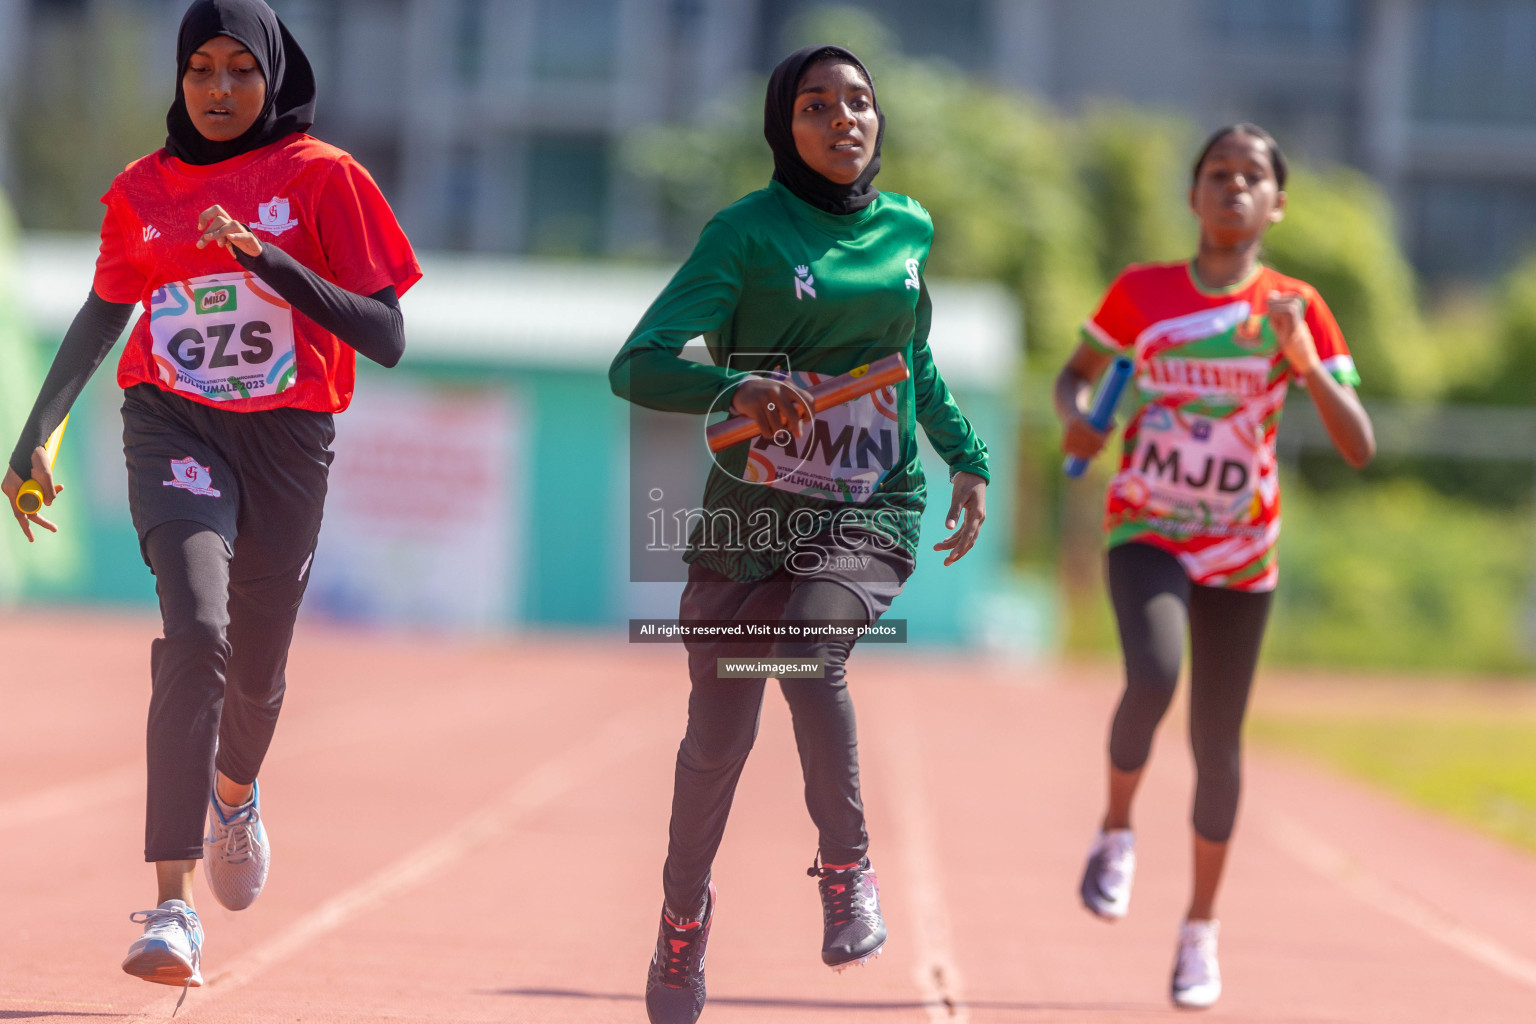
x: 1103, y: 410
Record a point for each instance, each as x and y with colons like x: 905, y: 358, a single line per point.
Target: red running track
x: 473, y: 831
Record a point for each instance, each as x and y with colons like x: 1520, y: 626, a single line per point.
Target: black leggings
x: 1155, y: 604
x: 723, y: 716
x: 218, y: 673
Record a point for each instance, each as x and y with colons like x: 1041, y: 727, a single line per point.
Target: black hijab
x: 788, y: 168
x: 290, y: 105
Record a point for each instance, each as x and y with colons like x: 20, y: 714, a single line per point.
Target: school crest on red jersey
x: 1250, y: 333
x: 275, y: 217
x: 189, y: 476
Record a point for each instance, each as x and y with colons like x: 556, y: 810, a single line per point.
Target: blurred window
x: 686, y: 14
x: 567, y: 195
x: 953, y: 29
x: 463, y: 189
x: 1301, y: 24
x: 1472, y: 229
x: 575, y: 40
x: 1477, y: 61
x: 468, y: 40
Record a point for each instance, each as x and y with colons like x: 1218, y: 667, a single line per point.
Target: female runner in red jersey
x: 263, y: 259
x: 1194, y: 512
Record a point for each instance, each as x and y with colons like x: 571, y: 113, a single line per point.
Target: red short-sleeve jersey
x: 1198, y: 476
x: 215, y: 333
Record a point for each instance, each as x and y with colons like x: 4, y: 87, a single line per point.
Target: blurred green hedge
x: 57, y: 555
x: 1395, y: 575
x: 1385, y: 576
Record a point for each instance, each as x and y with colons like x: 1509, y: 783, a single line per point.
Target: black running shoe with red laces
x: 850, y: 913
x: 674, y: 986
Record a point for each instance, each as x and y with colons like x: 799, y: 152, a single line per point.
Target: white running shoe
x: 170, y: 952
x: 1196, y: 974
x: 1106, y: 887
x: 236, y: 852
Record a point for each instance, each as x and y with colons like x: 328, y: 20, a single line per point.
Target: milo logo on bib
x: 841, y: 455
x: 224, y: 337
x: 214, y: 300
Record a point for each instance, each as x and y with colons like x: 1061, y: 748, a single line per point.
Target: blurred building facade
x: 494, y: 125
x: 1436, y: 99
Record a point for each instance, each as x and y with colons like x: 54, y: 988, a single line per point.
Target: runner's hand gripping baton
x: 1103, y: 410
x: 856, y: 383
x: 29, y: 499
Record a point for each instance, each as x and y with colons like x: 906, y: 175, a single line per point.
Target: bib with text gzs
x: 224, y: 337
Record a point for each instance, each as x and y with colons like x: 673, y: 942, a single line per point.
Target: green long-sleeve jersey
x: 775, y: 284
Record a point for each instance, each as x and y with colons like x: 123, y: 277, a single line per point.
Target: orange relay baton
x: 29, y: 499
x: 856, y: 383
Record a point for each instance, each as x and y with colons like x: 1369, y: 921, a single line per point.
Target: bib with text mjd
x: 843, y: 453
x: 1196, y: 470
x: 224, y: 337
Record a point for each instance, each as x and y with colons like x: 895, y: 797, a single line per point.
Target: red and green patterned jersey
x: 1198, y: 476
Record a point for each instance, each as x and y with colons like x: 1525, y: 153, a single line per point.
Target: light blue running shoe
x: 236, y: 852
x: 170, y: 952
x: 1196, y: 972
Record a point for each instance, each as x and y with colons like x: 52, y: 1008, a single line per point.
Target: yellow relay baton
x: 29, y: 499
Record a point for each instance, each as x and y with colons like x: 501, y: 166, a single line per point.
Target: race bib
x: 842, y: 455
x: 1195, y: 468
x: 222, y: 337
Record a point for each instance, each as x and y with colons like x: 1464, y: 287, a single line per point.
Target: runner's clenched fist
x: 218, y: 226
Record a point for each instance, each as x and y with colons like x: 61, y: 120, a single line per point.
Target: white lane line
x: 937, y: 978
x: 126, y: 782
x: 624, y: 735
x: 72, y: 797
x: 1337, y: 866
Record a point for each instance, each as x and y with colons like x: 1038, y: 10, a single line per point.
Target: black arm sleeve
x: 372, y: 324
x: 90, y: 337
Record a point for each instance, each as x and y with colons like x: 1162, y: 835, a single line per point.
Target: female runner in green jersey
x: 815, y: 520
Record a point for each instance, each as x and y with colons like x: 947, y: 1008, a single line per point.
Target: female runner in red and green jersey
x: 1194, y: 511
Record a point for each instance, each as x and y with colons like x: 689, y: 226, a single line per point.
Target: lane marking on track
x: 937, y: 978
x: 1347, y: 872
x: 59, y: 801
x: 127, y: 781
x: 624, y: 735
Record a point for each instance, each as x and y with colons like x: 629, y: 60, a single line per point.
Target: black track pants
x: 723, y: 716
x: 228, y: 508
x: 217, y: 673
x: 1155, y: 605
